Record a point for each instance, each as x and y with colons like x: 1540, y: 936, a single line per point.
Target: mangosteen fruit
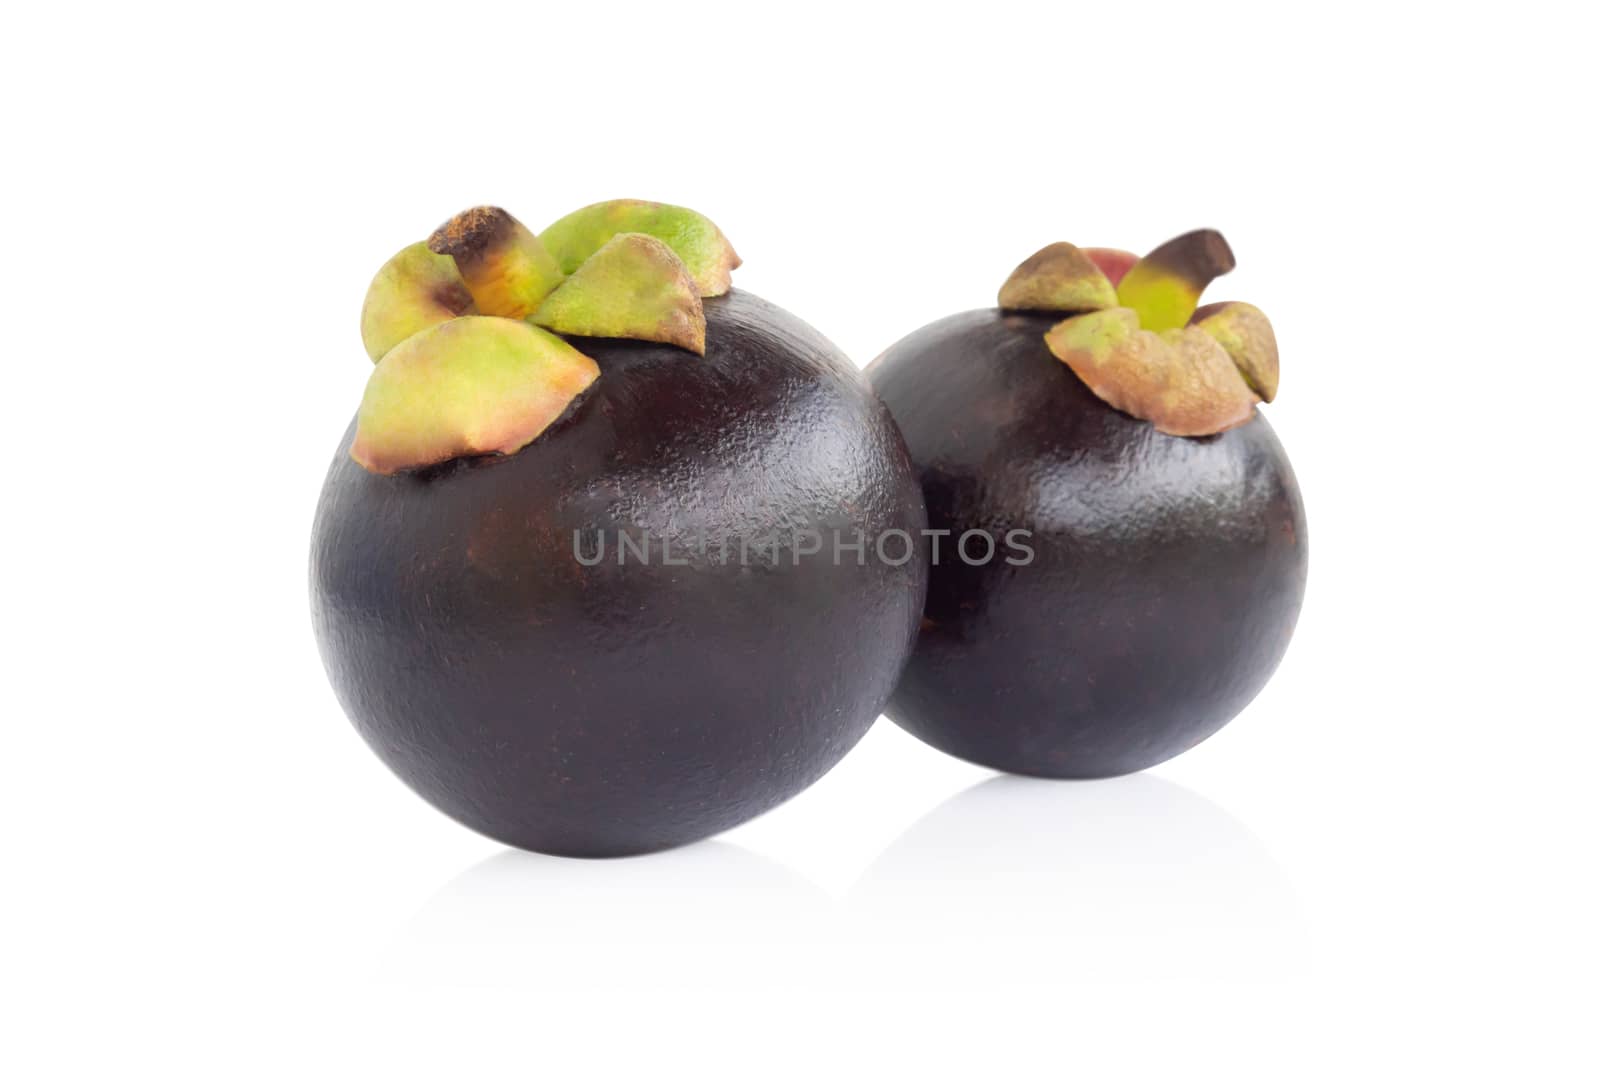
x: 576, y: 570
x: 1119, y: 543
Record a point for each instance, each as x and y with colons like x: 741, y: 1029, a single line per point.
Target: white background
x: 1384, y: 869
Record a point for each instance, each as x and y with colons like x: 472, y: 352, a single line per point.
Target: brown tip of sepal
x: 471, y: 233
x: 1181, y: 380
x: 1246, y: 334
x: 1197, y: 257
x: 1058, y: 278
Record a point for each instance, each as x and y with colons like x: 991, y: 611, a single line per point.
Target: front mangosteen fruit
x: 1135, y: 542
x: 586, y: 571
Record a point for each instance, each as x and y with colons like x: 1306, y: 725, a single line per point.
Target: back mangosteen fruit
x: 1105, y: 427
x: 575, y: 571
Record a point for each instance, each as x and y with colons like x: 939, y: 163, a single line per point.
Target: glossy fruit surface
x: 1166, y: 576
x: 591, y: 707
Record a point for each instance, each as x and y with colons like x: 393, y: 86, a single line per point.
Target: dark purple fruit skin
x: 1167, y: 572
x: 598, y: 711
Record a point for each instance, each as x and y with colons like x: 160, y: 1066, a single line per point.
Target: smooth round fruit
x: 1166, y: 575
x: 606, y: 708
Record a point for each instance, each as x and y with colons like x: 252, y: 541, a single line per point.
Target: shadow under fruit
x: 499, y: 648
x: 1167, y: 571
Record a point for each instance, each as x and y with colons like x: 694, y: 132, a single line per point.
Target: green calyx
x: 1140, y: 343
x: 1245, y: 333
x: 1180, y: 380
x: 1058, y: 278
x: 415, y: 290
x: 474, y: 385
x: 633, y: 287
x: 694, y: 237
x: 462, y: 382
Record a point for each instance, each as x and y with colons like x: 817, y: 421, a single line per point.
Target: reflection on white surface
x: 1037, y: 881
x: 712, y: 914
x: 1011, y: 882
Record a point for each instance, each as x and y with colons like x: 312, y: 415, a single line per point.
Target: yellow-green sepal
x: 1058, y: 278
x: 1165, y: 286
x: 694, y: 237
x: 633, y: 287
x: 1180, y: 379
x: 1246, y: 334
x: 415, y: 290
x: 474, y: 385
